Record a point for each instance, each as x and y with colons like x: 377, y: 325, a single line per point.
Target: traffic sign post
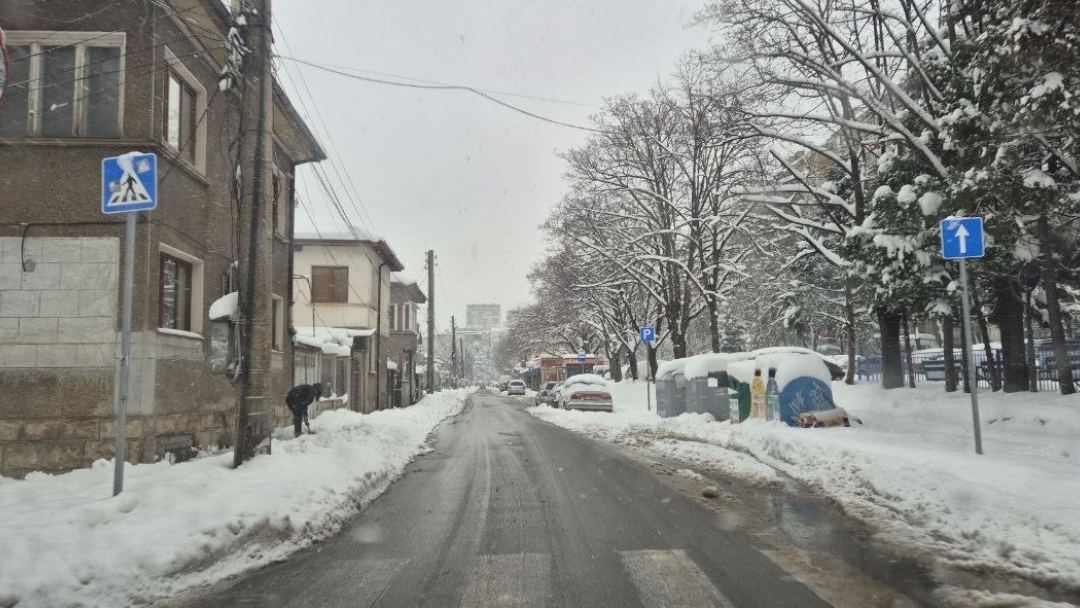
x: 963, y: 238
x: 648, y: 335
x: 581, y: 356
x: 128, y: 185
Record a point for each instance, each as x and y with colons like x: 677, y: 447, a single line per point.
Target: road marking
x: 670, y: 579
x: 350, y: 583
x: 516, y: 579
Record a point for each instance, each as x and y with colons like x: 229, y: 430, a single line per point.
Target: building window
x: 303, y: 367
x: 179, y: 115
x: 340, y: 376
x: 174, y: 310
x: 183, y: 106
x: 282, y: 202
x: 326, y: 371
x: 393, y: 316
x: 64, y: 84
x: 330, y: 284
x: 406, y: 316
x: 277, y: 321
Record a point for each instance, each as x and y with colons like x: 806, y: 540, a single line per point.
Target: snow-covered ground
x: 909, y: 469
x: 68, y: 542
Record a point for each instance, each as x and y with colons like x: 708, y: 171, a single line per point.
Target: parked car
x: 587, y: 392
x: 544, y: 396
x: 515, y: 387
x: 1046, y: 361
x: 502, y: 387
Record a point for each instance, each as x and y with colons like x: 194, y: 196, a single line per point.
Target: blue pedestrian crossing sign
x: 129, y: 183
x: 648, y: 334
x: 962, y: 237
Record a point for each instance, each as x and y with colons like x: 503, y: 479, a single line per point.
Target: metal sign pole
x: 648, y: 395
x: 972, y: 381
x: 121, y: 391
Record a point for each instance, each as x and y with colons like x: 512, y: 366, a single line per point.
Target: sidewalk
x: 68, y: 542
x: 909, y: 470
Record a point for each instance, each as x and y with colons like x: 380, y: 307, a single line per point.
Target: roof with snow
x: 336, y: 341
x: 328, y: 233
x: 407, y: 288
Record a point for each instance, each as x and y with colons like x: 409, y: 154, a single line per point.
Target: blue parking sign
x: 129, y: 183
x: 648, y: 334
x: 962, y: 238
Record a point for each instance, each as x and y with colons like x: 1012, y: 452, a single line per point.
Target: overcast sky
x: 447, y: 170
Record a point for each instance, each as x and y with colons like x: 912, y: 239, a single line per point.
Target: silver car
x: 515, y: 387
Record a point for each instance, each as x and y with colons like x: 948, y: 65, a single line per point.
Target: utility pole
x: 453, y: 353
x: 431, y: 321
x: 254, y: 412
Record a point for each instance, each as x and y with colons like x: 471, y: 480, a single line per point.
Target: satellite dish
x: 3, y: 66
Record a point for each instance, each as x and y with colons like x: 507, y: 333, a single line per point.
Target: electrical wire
x: 438, y: 87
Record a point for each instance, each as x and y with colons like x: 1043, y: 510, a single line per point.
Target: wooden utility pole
x: 453, y: 352
x: 431, y: 321
x: 255, y: 411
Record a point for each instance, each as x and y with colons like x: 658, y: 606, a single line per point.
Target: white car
x: 585, y: 392
x: 515, y: 387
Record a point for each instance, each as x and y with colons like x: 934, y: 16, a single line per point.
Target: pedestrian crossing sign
x: 129, y: 183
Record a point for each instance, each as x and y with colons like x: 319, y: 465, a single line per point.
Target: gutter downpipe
x: 378, y: 341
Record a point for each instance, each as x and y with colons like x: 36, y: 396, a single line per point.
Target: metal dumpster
x: 707, y: 383
x: 670, y: 389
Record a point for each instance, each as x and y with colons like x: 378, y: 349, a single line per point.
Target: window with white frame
x: 406, y: 316
x: 180, y: 290
x: 64, y: 84
x: 183, y: 105
x: 393, y: 316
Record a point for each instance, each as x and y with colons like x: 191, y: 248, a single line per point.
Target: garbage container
x: 740, y: 373
x: 707, y: 383
x: 804, y: 380
x: 670, y: 389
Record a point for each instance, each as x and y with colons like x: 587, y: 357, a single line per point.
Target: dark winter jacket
x: 300, y: 397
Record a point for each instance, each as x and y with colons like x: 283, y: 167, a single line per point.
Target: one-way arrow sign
x: 962, y: 238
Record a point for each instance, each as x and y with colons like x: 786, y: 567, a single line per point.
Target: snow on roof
x: 224, y: 307
x: 332, y: 340
x: 700, y: 366
x: 743, y: 371
x: 329, y: 230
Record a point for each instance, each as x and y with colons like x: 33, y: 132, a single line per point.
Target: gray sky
x: 447, y: 170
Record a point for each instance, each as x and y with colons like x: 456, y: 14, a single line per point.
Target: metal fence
x: 929, y: 367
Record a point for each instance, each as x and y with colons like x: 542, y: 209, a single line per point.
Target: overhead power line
x: 436, y: 87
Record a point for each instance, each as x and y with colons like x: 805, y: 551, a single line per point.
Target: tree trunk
x: 1053, y: 309
x: 652, y: 361
x: 1009, y: 317
x: 615, y: 365
x: 1029, y: 352
x: 992, y: 365
x: 907, y: 349
x: 714, y: 323
x: 631, y: 357
x: 948, y: 343
x: 849, y: 314
x: 892, y: 373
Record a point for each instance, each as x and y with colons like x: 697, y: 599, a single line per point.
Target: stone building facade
x: 100, y: 85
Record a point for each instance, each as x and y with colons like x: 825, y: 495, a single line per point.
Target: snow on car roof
x: 586, y: 379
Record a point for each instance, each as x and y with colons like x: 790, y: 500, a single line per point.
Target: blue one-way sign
x: 129, y: 183
x: 581, y: 355
x: 962, y: 238
x: 648, y: 334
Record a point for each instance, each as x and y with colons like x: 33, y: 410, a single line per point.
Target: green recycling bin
x: 740, y: 374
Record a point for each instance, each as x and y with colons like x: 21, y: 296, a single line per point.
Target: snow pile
x: 700, y: 366
x: 67, y: 542
x: 585, y: 379
x: 225, y: 307
x: 910, y: 470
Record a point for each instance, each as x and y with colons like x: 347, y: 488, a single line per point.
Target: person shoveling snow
x: 298, y: 400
